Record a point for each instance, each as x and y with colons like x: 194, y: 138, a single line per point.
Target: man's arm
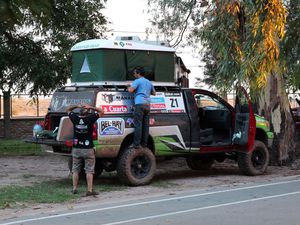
x: 72, y: 107
x: 153, y: 92
x: 131, y: 89
x: 98, y: 110
x: 133, y: 86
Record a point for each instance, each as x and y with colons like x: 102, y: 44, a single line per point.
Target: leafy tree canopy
x: 36, y: 37
x: 240, y: 38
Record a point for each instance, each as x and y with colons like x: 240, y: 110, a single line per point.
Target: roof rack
x: 159, y: 86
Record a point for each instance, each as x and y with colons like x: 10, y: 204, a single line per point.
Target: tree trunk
x: 274, y: 106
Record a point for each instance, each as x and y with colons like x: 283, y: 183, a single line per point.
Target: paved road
x: 268, y: 204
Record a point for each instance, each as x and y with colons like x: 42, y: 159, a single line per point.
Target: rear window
x: 61, y: 100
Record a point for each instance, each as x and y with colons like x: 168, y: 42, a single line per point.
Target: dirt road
x: 172, y: 176
x: 26, y: 170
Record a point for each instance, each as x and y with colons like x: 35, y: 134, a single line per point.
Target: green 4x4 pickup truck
x: 192, y: 123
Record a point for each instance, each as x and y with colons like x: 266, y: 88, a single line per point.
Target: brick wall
x: 20, y: 127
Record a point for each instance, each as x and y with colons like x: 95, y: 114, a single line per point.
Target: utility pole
x: 6, y: 106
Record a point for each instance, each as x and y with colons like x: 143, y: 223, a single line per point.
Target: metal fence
x: 22, y: 105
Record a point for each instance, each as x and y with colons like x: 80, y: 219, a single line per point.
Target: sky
x: 127, y: 17
x: 130, y: 18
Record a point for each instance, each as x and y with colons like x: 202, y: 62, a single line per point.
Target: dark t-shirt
x: 83, y: 130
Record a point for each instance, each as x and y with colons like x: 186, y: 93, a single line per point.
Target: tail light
x: 95, y: 131
x: 47, y: 122
x: 69, y: 143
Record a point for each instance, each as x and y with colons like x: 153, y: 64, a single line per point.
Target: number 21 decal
x: 174, y: 102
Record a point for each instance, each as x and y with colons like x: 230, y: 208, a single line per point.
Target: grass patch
x: 18, y: 147
x: 163, y: 184
x: 26, y: 176
x: 57, y: 191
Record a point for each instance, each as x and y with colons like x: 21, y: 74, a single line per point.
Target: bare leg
x: 75, y: 181
x: 89, y: 180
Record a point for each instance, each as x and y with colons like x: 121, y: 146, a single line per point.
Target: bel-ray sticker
x: 113, y: 126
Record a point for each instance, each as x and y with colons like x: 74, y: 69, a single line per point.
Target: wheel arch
x: 128, y: 140
x: 261, y: 136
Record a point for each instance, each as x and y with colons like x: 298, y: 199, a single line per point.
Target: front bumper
x: 270, y: 139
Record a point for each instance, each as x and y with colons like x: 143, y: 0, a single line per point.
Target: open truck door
x: 245, y: 124
x: 253, y: 159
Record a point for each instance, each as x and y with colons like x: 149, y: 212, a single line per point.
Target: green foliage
x: 290, y: 46
x: 240, y: 38
x: 36, y: 37
x: 18, y: 147
x: 221, y: 38
x: 12, y: 12
x: 243, y: 35
x: 172, y: 17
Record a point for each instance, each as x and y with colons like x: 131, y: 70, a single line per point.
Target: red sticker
x: 158, y: 106
x: 115, y: 108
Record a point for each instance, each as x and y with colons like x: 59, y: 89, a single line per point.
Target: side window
x: 207, y: 102
x: 213, y: 113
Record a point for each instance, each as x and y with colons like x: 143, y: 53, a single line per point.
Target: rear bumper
x: 56, y: 147
x: 44, y: 141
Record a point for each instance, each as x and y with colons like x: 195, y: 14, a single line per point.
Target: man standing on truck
x: 142, y: 89
x: 83, y: 148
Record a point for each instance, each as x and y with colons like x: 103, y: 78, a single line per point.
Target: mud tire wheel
x: 136, y: 166
x: 256, y: 161
x: 199, y: 163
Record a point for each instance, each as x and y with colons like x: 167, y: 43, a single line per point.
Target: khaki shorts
x: 83, y: 156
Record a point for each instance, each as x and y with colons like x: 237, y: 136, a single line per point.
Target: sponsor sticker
x: 158, y: 103
x: 115, y: 108
x: 176, y: 111
x: 129, y: 121
x: 172, y: 94
x: 116, y: 96
x: 113, y: 126
x: 158, y: 106
x: 157, y: 100
x: 108, y: 98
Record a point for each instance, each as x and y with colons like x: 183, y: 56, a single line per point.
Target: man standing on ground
x: 142, y: 89
x: 83, y: 147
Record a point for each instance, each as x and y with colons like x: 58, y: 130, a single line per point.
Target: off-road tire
x: 256, y: 161
x: 199, y: 163
x: 136, y: 166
